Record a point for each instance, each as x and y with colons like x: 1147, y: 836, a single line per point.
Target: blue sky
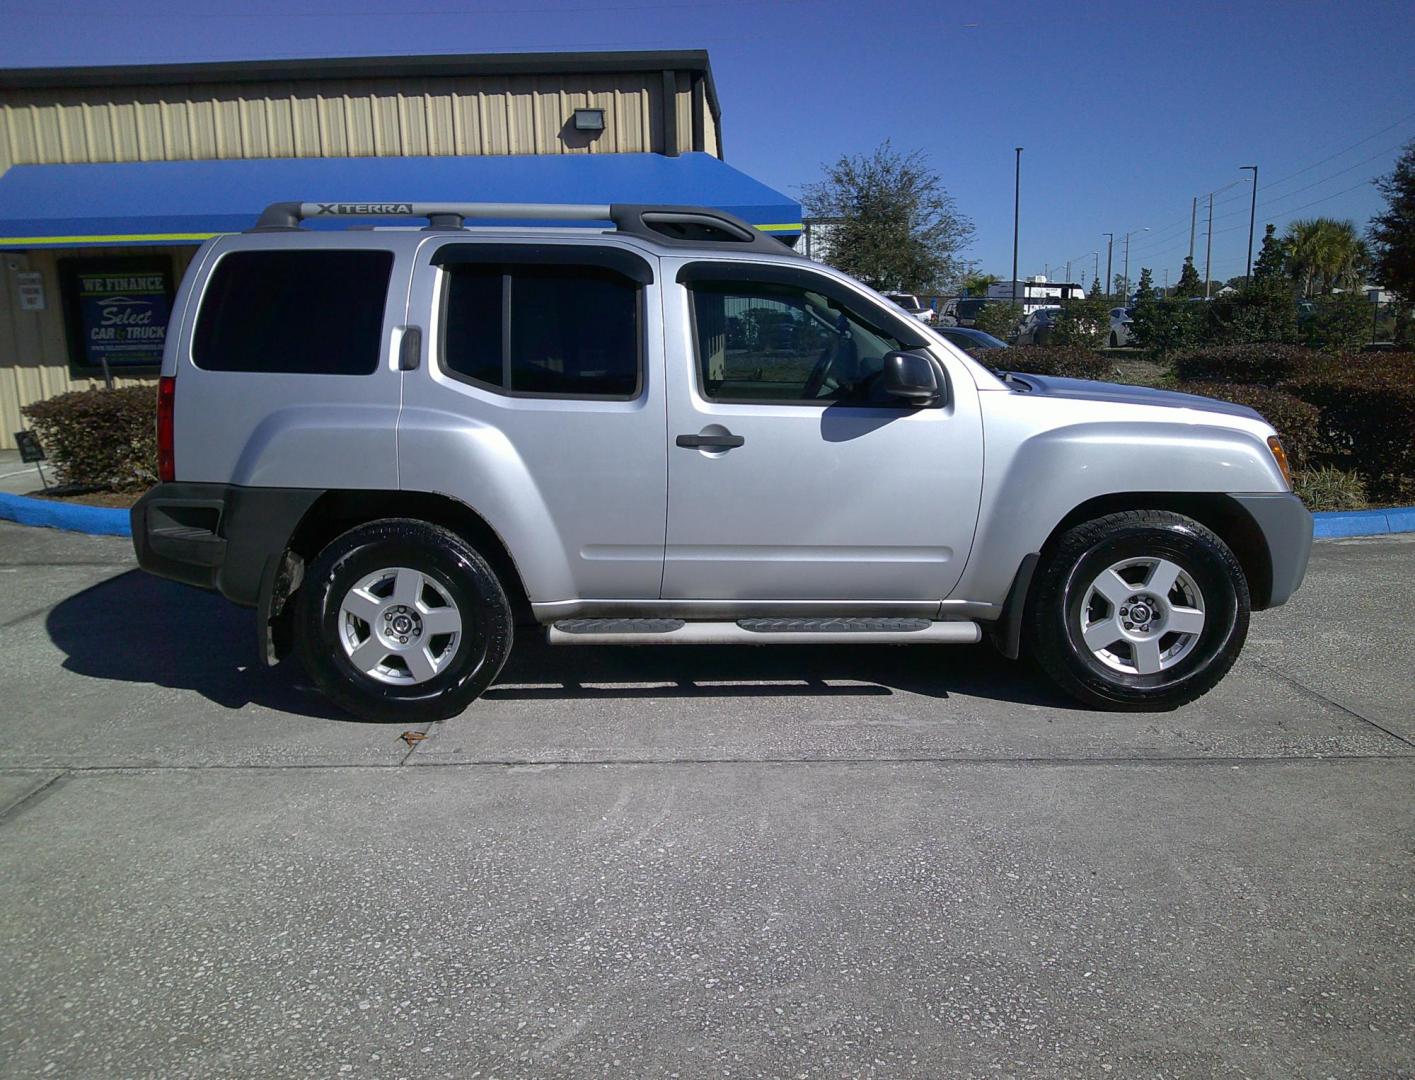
x: 1125, y: 111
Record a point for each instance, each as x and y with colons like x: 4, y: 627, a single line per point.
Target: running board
x: 762, y: 632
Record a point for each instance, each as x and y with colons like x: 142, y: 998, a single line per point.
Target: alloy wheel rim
x: 400, y: 626
x: 1142, y: 616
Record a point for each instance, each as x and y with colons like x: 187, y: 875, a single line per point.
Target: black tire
x: 1114, y: 341
x: 1053, y: 620
x: 453, y: 567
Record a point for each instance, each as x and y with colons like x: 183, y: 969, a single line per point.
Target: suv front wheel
x: 1138, y: 610
x: 401, y: 620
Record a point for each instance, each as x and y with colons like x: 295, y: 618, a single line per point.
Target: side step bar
x: 762, y: 632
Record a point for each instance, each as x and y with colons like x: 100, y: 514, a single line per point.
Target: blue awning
x: 174, y: 202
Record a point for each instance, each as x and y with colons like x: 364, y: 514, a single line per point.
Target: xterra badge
x: 365, y: 209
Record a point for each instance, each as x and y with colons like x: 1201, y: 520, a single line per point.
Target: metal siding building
x: 661, y: 103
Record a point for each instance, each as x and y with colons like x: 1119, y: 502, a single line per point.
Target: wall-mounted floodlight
x: 589, y: 119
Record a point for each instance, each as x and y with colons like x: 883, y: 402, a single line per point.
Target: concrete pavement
x: 767, y: 862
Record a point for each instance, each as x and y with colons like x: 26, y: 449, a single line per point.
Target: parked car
x: 1120, y: 322
x: 398, y: 445
x: 1037, y: 327
x: 973, y: 342
x: 910, y: 303
x: 961, y: 310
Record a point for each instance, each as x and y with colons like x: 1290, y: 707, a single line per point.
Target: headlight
x: 1280, y: 456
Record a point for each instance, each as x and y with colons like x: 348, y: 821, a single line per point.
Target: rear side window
x: 296, y: 312
x: 555, y: 331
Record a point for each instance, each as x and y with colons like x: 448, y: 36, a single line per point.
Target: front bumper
x: 1286, y: 526
x: 218, y: 536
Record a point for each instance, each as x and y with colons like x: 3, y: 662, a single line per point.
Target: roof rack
x: 687, y: 226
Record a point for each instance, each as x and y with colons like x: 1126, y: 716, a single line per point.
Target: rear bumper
x: 218, y: 536
x: 1286, y: 526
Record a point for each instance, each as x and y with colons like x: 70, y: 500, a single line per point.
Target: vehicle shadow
x: 136, y: 628
x: 540, y: 672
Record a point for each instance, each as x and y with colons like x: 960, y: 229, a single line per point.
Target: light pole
x: 1109, y: 250
x: 1209, y: 246
x: 1125, y: 299
x: 1252, y: 216
x: 1016, y: 219
x: 1193, y: 217
x: 1097, y: 254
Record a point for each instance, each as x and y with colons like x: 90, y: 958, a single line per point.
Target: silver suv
x: 399, y: 444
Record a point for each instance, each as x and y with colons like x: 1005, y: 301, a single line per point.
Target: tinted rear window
x: 574, y: 330
x: 298, y: 312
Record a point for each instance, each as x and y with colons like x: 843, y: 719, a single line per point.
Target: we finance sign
x: 118, y: 312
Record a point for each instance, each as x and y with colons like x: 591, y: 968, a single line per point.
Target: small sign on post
x: 31, y: 452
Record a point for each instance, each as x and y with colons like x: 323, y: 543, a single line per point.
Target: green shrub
x: 1263, y: 364
x: 1367, y: 405
x: 1266, y: 312
x: 1339, y: 323
x: 1298, y: 424
x: 1066, y: 361
x: 100, y: 438
x: 1327, y: 488
x: 1082, y: 323
x: 1163, y: 326
x: 999, y: 319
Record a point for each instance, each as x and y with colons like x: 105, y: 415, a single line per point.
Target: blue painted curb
x: 1327, y: 524
x: 74, y: 517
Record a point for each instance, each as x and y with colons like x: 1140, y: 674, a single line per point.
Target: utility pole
x: 1252, y: 216
x: 1097, y: 254
x: 1125, y: 274
x: 1209, y: 245
x: 1068, y: 269
x: 1016, y: 208
x: 1193, y: 218
x: 1109, y: 248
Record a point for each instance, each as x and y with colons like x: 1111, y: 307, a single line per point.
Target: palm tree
x: 976, y: 284
x: 1325, y: 254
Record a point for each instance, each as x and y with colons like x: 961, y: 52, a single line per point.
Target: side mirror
x: 910, y: 377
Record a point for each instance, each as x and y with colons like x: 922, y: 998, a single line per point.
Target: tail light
x: 166, y: 461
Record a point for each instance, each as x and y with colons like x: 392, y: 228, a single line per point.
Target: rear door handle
x: 710, y: 442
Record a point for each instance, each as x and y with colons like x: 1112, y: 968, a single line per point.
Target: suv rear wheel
x: 400, y: 620
x: 1144, y: 609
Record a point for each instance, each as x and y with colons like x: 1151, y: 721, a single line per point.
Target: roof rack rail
x: 688, y: 226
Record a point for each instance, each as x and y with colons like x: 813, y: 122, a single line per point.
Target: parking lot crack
x: 1329, y: 700
x: 30, y: 797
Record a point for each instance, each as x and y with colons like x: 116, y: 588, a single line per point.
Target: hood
x: 1087, y: 390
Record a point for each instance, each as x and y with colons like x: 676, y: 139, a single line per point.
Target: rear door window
x: 294, y: 312
x: 560, y: 330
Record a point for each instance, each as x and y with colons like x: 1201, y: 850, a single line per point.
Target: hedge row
x: 1064, y: 361
x: 1264, y: 365
x: 1353, y: 412
x: 100, y: 438
x: 1298, y: 422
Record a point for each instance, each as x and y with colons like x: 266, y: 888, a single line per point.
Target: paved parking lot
x: 770, y: 862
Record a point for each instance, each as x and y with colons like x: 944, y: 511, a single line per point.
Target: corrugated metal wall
x: 518, y: 114
x: 34, y: 358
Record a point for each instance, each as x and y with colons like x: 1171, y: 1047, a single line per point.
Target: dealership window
x: 294, y: 312
x: 116, y: 311
x: 561, y: 330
